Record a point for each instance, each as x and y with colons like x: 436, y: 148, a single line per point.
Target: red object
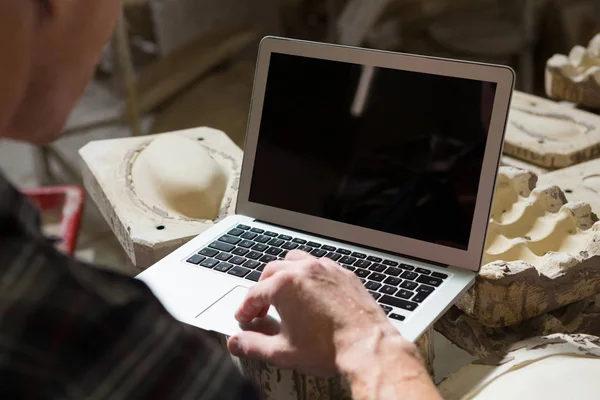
x: 61, y: 208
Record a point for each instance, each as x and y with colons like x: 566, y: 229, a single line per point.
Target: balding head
x: 48, y: 53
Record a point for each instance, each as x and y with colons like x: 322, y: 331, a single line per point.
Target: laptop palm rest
x: 220, y: 317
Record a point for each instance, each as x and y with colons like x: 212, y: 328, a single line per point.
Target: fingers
x: 276, y: 266
x: 298, y: 255
x: 267, y: 326
x: 255, y: 345
x: 258, y: 298
x: 272, y: 268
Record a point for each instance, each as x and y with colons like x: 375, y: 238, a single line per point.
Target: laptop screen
x: 395, y: 151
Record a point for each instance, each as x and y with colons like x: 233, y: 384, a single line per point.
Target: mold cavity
x: 160, y: 227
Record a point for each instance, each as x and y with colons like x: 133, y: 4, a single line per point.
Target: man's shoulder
x: 34, y: 264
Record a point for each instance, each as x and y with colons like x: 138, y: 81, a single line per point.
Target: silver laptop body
x: 384, y: 162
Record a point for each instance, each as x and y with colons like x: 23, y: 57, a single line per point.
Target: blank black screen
x: 401, y: 153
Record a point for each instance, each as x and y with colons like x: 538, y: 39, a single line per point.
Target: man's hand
x: 325, y: 312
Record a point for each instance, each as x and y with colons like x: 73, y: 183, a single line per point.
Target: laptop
x: 383, y: 162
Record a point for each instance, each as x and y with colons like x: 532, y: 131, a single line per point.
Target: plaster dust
x: 555, y: 379
x: 529, y: 225
x: 176, y: 174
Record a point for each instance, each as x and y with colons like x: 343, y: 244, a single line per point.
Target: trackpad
x: 220, y: 317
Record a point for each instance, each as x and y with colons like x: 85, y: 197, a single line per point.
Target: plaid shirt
x: 70, y: 331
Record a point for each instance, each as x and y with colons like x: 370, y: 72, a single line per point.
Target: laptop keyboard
x: 244, y: 252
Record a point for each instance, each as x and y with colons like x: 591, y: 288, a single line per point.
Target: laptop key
x: 409, y: 275
x: 267, y: 258
x: 410, y: 285
x: 243, y: 227
x: 349, y: 267
x: 273, y: 251
x: 423, y: 271
x: 397, y: 317
x: 305, y: 248
x: 299, y: 241
x: 420, y: 297
x: 246, y: 243
x: 375, y: 295
x: 230, y: 239
x: 251, y: 264
x: 362, y: 280
x: 289, y: 246
x: 209, y: 263
x: 386, y: 309
x: 376, y: 276
x: 239, y: 251
x: 428, y: 280
x: 260, y: 247
x: 313, y: 244
x: 386, y: 289
x: 221, y: 246
x: 374, y: 259
x: 359, y: 255
x: 333, y: 256
x: 284, y: 237
x: 223, y: 256
x: 196, y: 259
x: 405, y: 294
x: 343, y: 252
x: 362, y: 264
x: 253, y: 276
x: 328, y: 248
x: 390, y: 280
x: 235, y: 232
x: 425, y: 289
x: 372, y: 285
x: 208, y: 252
x: 237, y: 260
x: 348, y: 260
x: 249, y: 235
x: 439, y: 275
x: 254, y: 255
x: 272, y: 234
x: 239, y: 271
x: 390, y: 263
x: 262, y: 239
x: 399, y: 303
x: 257, y: 230
x: 276, y: 242
x: 318, y: 252
x: 361, y: 273
x: 377, y: 268
x: 284, y: 254
x: 261, y: 267
x: 393, y: 271
x: 223, y: 267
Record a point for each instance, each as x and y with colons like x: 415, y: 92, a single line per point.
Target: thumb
x: 255, y: 345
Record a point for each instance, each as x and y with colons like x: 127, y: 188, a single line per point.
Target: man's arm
x: 330, y: 324
x: 72, y: 331
x: 384, y: 366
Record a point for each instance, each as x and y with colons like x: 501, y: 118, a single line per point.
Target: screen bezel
x: 471, y: 258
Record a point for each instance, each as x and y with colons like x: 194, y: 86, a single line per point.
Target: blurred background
x: 176, y: 64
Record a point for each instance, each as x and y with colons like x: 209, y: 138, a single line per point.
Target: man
x: 68, y: 330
